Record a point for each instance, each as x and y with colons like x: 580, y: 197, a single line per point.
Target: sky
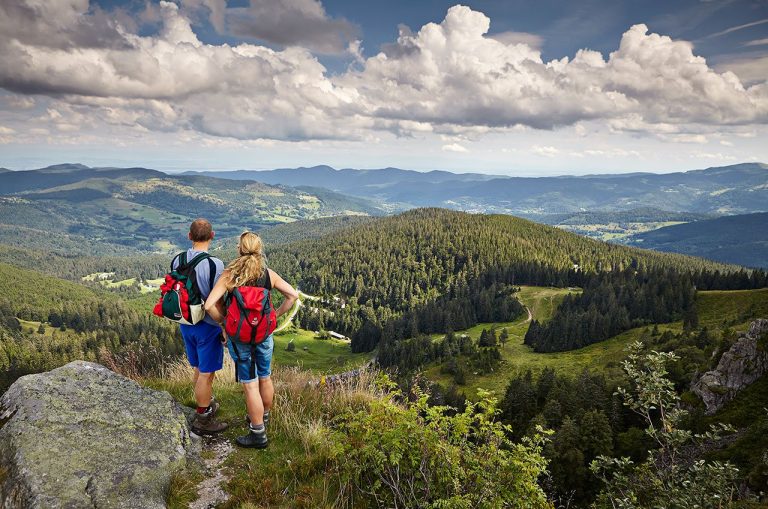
x: 504, y: 87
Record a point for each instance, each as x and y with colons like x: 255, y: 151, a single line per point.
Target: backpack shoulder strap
x: 181, y: 257
x: 212, y: 269
x: 197, y: 259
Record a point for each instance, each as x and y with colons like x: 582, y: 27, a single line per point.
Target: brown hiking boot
x: 206, y: 424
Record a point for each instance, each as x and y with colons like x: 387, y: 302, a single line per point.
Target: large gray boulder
x: 84, y: 436
x: 740, y: 366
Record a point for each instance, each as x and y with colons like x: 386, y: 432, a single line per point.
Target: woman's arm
x: 212, y: 302
x: 287, y: 290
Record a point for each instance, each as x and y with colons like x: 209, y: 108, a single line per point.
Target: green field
x: 717, y: 310
x: 318, y: 355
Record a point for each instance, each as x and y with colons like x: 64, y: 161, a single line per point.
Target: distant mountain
x: 81, y: 210
x: 741, y: 188
x: 376, y: 183
x: 741, y: 239
x: 639, y: 215
x: 63, y: 174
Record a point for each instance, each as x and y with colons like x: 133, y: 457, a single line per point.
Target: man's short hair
x: 200, y: 230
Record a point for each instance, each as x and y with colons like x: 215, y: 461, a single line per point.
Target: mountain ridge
x: 739, y: 188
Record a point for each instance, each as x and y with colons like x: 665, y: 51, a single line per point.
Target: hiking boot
x: 206, y: 424
x: 213, y: 407
x: 254, y: 439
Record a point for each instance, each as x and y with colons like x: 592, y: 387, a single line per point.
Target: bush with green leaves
x: 672, y: 476
x: 419, y: 456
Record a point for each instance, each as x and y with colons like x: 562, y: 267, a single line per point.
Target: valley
x: 443, y: 301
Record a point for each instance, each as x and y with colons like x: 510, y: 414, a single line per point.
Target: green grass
x: 717, y: 310
x: 542, y: 301
x: 320, y: 356
x: 734, y: 309
x: 283, y: 475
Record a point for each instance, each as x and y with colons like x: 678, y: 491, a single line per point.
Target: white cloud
x: 546, y: 151
x: 757, y: 42
x: 283, y: 22
x: 454, y: 147
x: 738, y: 27
x: 448, y: 78
x: 749, y: 70
x: 688, y: 138
x: 717, y: 156
x: 528, y: 39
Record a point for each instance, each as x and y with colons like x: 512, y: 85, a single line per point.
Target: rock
x: 84, y: 436
x: 741, y: 365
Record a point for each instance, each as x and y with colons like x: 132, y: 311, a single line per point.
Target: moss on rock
x: 83, y: 436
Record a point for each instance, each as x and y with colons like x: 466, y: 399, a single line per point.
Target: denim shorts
x: 241, y: 354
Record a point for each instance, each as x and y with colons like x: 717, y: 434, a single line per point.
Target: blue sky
x: 500, y: 87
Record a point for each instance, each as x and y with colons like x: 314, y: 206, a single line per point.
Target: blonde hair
x: 250, y: 265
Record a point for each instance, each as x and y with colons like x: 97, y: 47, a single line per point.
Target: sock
x: 257, y: 428
x: 202, y: 409
x: 266, y: 418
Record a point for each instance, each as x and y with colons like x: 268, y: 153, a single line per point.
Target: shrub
x: 416, y: 455
x: 667, y: 478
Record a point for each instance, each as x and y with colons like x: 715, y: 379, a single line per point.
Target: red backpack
x: 251, y: 317
x: 180, y: 299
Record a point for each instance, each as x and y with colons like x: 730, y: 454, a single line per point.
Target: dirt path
x: 530, y: 315
x: 287, y: 322
x: 210, y: 491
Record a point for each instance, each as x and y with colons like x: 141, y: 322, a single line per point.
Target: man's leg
x: 203, y: 390
x: 210, y: 356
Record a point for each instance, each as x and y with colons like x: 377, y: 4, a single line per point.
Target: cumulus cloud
x: 451, y: 72
x: 533, y: 40
x: 448, y: 78
x: 284, y: 22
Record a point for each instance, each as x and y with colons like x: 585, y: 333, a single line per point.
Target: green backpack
x: 180, y: 299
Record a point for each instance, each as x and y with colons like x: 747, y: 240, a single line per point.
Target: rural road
x: 295, y: 309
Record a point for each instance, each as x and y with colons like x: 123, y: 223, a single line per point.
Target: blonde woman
x: 252, y: 365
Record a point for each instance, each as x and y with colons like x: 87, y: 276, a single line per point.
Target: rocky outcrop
x: 83, y: 436
x: 741, y: 365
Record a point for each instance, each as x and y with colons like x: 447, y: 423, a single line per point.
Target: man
x: 203, y: 341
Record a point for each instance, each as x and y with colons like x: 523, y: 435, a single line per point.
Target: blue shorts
x: 202, y: 342
x: 241, y: 354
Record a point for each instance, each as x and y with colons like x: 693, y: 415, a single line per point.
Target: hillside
x: 440, y: 270
x: 114, y: 210
x: 719, y: 311
x: 46, y: 322
x: 726, y: 190
x: 741, y: 239
x: 616, y: 226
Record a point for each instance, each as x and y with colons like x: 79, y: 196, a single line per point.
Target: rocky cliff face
x: 83, y: 436
x: 741, y: 365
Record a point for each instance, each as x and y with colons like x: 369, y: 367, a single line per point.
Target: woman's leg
x: 267, y: 391
x: 253, y: 402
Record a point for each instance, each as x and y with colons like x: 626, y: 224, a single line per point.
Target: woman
x: 250, y: 269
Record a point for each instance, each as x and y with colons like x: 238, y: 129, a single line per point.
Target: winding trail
x: 295, y: 309
x: 210, y: 491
